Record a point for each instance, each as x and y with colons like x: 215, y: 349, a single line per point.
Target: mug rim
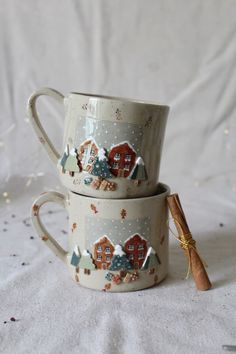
x: 165, y: 191
x: 120, y: 99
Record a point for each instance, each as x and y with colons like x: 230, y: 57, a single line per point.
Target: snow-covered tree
x: 64, y: 158
x: 72, y: 163
x: 151, y: 260
x: 119, y: 260
x: 86, y: 261
x: 75, y: 257
x: 101, y: 167
x: 139, y: 172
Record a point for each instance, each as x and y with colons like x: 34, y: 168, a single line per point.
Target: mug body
x: 112, y: 146
x: 118, y: 245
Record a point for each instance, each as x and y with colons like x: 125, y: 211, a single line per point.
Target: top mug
x: 112, y: 146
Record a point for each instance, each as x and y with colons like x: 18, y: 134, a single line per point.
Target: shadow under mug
x: 112, y: 146
x: 113, y: 245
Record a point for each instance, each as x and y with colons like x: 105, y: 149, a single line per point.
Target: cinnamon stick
x: 188, y: 244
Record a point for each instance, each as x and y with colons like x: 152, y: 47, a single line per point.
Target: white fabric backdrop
x: 180, y: 53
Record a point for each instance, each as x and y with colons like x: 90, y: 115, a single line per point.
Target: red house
x: 121, y: 159
x: 136, y: 249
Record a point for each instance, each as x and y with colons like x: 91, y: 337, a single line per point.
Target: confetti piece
x: 5, y: 194
x: 31, y: 237
x: 12, y: 319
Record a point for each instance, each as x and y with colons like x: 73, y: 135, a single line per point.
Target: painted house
x: 136, y: 249
x: 88, y: 151
x: 122, y: 159
x: 103, y: 252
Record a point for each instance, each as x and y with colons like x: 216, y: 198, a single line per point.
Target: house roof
x: 135, y: 235
x: 88, y: 141
x: 103, y: 239
x: 123, y: 143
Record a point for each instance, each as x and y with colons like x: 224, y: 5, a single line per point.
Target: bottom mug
x: 114, y: 245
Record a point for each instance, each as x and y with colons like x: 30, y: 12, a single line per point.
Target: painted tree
x: 139, y: 172
x: 151, y: 260
x: 101, y: 167
x: 119, y: 260
x: 86, y: 261
x: 72, y: 163
x: 75, y: 257
x: 64, y: 158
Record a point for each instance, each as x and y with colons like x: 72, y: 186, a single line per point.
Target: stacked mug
x: 118, y: 238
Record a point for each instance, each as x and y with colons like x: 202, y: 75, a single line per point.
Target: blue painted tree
x: 119, y: 260
x: 75, y: 258
x: 139, y: 172
x: 151, y: 260
x: 101, y: 167
x: 64, y: 158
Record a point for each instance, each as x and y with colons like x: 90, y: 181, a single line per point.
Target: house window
x: 91, y: 159
x: 127, y: 157
x: 117, y: 156
x: 127, y: 167
x: 140, y: 247
x: 140, y: 256
x: 131, y: 257
x: 115, y: 166
x: 107, y: 250
x: 99, y: 249
x: 99, y: 258
x: 130, y: 247
x: 108, y: 258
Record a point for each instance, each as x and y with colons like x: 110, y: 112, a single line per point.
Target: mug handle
x: 44, y: 198
x: 34, y: 118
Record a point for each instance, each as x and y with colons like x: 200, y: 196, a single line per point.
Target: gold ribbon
x: 186, y: 243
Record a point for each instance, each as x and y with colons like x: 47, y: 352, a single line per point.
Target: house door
x: 104, y: 266
x: 120, y: 173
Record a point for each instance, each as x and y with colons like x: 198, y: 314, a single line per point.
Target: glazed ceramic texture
x: 113, y: 245
x: 112, y: 146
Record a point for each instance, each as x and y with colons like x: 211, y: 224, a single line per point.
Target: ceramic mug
x: 112, y: 145
x: 113, y: 245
